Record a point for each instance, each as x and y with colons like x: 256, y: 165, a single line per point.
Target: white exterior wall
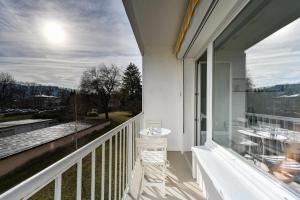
x: 162, y: 92
x: 189, y: 104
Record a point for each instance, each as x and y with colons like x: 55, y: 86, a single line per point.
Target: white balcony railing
x: 287, y: 126
x: 284, y: 122
x: 121, y: 139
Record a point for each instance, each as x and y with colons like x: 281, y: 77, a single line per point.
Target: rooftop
x: 11, y: 145
x: 21, y: 122
x: 46, y: 96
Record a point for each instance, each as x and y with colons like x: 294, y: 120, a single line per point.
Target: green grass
x: 69, y: 177
x: 15, y: 117
x: 118, y: 116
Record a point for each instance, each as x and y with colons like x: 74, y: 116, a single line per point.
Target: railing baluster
x: 124, y: 160
x: 133, y: 143
x: 109, y: 168
x: 116, y: 166
x: 103, y: 171
x: 129, y: 153
x: 57, y: 189
x: 93, y: 175
x: 79, y: 177
x: 120, y: 163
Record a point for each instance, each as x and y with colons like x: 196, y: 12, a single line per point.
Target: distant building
x: 287, y: 105
x: 45, y: 101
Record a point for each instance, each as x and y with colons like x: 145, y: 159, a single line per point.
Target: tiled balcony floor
x: 179, y: 183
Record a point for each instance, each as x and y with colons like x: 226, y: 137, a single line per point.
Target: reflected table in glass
x: 155, y: 132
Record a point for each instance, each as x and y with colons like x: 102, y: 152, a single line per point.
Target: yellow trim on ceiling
x: 186, y: 23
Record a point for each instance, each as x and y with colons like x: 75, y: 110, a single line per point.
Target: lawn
x: 15, y: 117
x: 69, y: 176
x: 118, y: 117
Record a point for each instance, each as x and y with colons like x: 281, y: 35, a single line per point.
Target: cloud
x: 276, y: 59
x: 97, y: 31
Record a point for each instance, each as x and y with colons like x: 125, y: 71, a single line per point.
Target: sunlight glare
x: 54, y: 32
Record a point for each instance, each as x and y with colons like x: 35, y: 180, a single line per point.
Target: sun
x: 54, y: 32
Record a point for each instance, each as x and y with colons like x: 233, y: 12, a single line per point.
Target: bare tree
x: 6, y: 82
x: 102, y: 81
x: 6, y: 78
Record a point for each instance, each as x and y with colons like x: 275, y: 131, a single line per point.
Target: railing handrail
x: 33, y: 184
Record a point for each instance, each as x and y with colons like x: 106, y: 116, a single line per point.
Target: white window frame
x: 210, y: 63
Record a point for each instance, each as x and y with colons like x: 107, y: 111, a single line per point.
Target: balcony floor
x: 179, y: 183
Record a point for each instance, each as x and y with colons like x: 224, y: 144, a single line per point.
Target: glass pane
x: 200, y: 100
x: 256, y: 82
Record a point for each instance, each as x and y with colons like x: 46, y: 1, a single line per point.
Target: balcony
x: 243, y: 155
x: 115, y: 154
x: 179, y: 182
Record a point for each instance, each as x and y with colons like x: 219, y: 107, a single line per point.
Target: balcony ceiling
x: 236, y: 37
x: 155, y: 23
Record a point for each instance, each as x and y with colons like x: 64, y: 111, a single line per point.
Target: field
x: 15, y: 117
x: 69, y: 177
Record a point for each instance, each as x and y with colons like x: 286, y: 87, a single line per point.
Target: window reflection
x: 256, y: 98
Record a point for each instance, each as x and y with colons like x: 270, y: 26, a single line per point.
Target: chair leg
x: 142, y: 182
x: 164, y: 180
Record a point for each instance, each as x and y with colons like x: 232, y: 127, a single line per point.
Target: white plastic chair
x: 152, y: 153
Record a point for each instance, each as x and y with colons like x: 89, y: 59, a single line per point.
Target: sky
x: 276, y: 59
x: 53, y: 42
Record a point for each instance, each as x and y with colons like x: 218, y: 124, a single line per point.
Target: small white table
x: 155, y: 132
